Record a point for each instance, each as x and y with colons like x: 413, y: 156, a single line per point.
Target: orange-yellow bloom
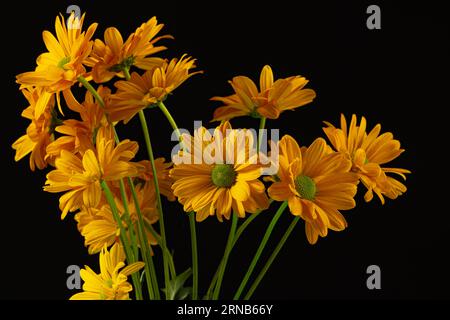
x: 272, y: 98
x: 59, y: 68
x: 317, y: 183
x: 368, y: 152
x: 109, y: 58
x: 227, y: 180
x: 162, y: 172
x: 80, y: 177
x: 99, y: 228
x: 40, y: 131
x: 79, y: 135
x: 153, y: 86
x: 111, y: 283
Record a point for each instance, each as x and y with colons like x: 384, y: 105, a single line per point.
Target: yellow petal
x: 295, y: 205
x: 113, y: 40
x: 240, y: 191
x: 289, y: 148
x: 266, y: 78
x: 90, y: 163
x: 132, y: 268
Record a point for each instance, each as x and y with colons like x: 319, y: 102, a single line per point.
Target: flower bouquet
x: 224, y: 172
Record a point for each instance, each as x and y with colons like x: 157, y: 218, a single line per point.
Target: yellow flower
x: 367, y: 153
x: 110, y: 57
x: 317, y: 183
x: 111, y: 283
x: 99, y: 228
x: 162, y: 172
x: 153, y: 86
x: 271, y: 99
x: 39, y: 133
x: 80, y: 177
x: 59, y: 68
x: 227, y: 180
x: 79, y: 136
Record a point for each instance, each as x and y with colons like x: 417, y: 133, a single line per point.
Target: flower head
x: 272, y: 98
x: 222, y: 178
x: 59, y: 68
x: 39, y: 133
x: 80, y: 135
x: 150, y: 88
x: 111, y: 283
x: 110, y: 57
x: 317, y: 183
x: 162, y: 172
x: 98, y: 227
x: 80, y: 176
x: 368, y: 152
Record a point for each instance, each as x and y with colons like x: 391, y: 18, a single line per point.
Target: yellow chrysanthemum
x: 39, y: 133
x: 80, y: 177
x: 99, y: 228
x: 111, y: 283
x: 271, y: 99
x: 367, y: 153
x: 79, y: 135
x: 110, y: 57
x: 59, y: 68
x: 162, y: 172
x: 153, y: 86
x: 221, y: 174
x: 317, y: 183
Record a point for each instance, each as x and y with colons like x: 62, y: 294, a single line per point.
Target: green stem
x: 150, y: 267
x: 129, y: 254
x: 175, y: 128
x: 171, y: 120
x: 261, y: 247
x: 150, y: 229
x: 194, y: 256
x: 246, y: 223
x: 238, y: 234
x: 150, y: 272
x: 126, y: 73
x: 91, y: 89
x: 158, y: 197
x: 262, y: 125
x: 272, y: 258
x: 131, y: 230
x: 226, y: 255
x: 123, y: 236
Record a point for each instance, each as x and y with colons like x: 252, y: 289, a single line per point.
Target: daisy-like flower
x: 150, y: 88
x: 219, y: 174
x: 79, y: 135
x: 162, y: 172
x: 317, y: 183
x: 59, y: 68
x: 99, y: 228
x: 111, y: 283
x: 269, y: 101
x: 109, y: 58
x: 368, y: 152
x: 80, y: 177
x: 39, y: 133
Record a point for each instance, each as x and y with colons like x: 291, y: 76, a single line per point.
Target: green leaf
x: 176, y: 289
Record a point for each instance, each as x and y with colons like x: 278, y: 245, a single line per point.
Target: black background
x: 396, y: 76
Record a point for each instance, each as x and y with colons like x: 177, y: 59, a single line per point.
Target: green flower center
x: 63, y: 62
x: 109, y: 283
x: 306, y: 187
x: 223, y: 175
x: 366, y: 161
